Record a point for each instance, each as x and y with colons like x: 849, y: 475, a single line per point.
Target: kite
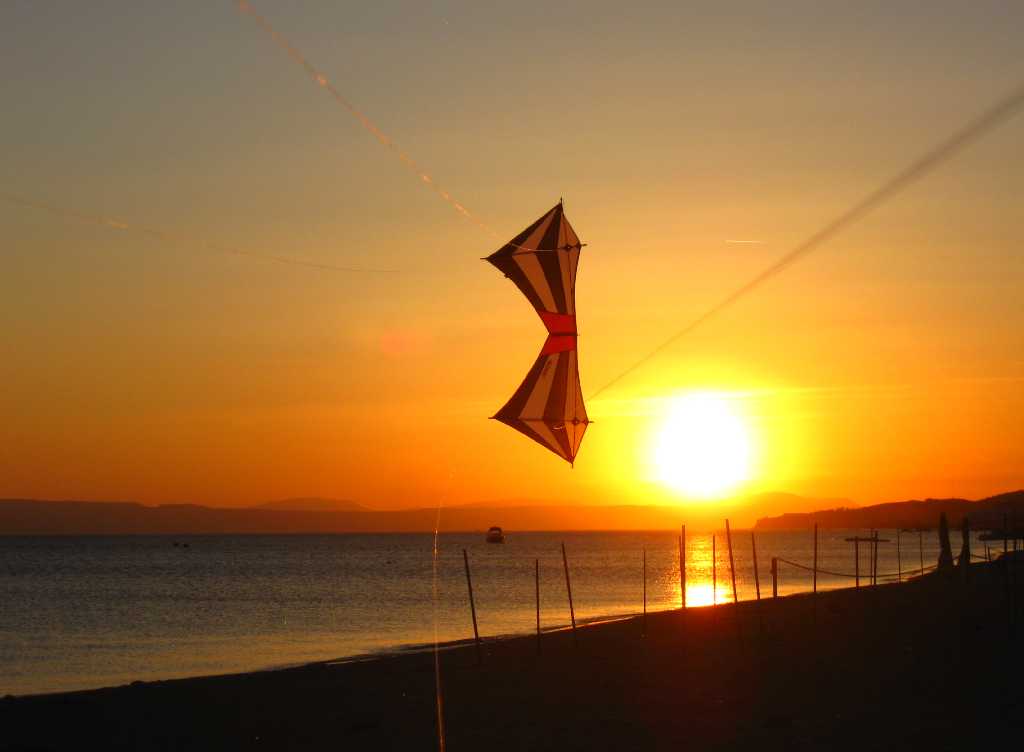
x: 548, y: 406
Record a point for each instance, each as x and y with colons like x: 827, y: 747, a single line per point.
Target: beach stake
x: 714, y: 573
x: 732, y: 566
x: 856, y: 560
x: 920, y: 548
x: 874, y: 562
x: 536, y: 587
x: 757, y: 578
x: 775, y: 577
x: 682, y: 567
x: 899, y: 569
x: 645, y: 590
x: 815, y: 557
x: 472, y: 609
x: 568, y: 589
x: 871, y: 567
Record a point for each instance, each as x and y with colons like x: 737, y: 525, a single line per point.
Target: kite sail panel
x: 548, y: 406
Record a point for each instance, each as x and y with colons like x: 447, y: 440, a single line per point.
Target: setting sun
x: 704, y: 448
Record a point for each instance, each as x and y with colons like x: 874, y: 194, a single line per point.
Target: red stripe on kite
x: 557, y: 343
x: 558, y: 323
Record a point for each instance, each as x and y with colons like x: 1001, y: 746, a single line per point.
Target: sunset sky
x: 887, y: 365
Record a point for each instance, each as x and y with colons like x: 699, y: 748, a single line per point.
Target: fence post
x: 920, y: 548
x: 536, y: 583
x: 856, y: 560
x: 682, y: 566
x: 757, y: 578
x: 714, y: 573
x: 732, y: 564
x: 874, y: 560
x: 568, y: 589
x: 899, y: 567
x: 815, y: 557
x: 472, y: 608
x: 645, y: 590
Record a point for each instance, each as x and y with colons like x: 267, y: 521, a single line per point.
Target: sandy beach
x: 932, y: 664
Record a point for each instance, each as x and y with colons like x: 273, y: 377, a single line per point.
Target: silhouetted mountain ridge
x: 984, y: 513
x: 312, y: 504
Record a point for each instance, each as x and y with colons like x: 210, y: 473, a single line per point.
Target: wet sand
x: 930, y: 665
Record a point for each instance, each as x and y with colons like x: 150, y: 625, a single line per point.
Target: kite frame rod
x: 522, y: 250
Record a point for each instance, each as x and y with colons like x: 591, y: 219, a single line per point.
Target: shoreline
x: 927, y: 664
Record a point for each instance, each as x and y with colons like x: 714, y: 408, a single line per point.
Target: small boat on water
x: 495, y: 535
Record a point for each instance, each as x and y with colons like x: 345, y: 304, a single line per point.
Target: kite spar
x: 548, y: 406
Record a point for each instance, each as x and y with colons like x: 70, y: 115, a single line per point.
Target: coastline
x: 932, y: 662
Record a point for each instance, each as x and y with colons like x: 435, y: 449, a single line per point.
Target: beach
x: 931, y: 664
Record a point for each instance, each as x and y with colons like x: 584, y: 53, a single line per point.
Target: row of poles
x: 682, y: 583
x: 873, y: 540
x: 536, y: 580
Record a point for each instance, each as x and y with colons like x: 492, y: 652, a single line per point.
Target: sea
x: 80, y: 612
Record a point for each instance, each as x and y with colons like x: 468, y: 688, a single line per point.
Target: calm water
x: 80, y: 612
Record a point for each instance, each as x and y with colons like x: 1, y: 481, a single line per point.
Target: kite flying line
x: 1002, y: 111
x: 320, y: 78
x: 385, y: 140
x: 117, y: 224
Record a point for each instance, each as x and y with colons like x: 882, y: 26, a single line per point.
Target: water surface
x: 90, y: 611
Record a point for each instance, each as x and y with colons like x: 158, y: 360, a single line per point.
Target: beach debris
x: 945, y: 563
x: 548, y: 406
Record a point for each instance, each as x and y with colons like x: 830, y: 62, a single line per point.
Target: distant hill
x: 312, y: 504
x: 32, y: 517
x: 985, y: 513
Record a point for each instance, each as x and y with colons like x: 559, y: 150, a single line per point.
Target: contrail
x: 385, y: 140
x: 923, y: 166
x: 118, y: 224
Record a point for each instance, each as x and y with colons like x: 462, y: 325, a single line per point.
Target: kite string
x: 439, y: 695
x: 321, y: 79
x: 995, y: 115
x: 166, y: 235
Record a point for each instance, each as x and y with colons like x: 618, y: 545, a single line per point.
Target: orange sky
x: 887, y: 365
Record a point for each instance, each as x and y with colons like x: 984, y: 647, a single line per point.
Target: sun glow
x: 704, y: 449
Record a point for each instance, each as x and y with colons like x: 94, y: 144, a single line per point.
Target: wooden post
x: 472, y: 608
x: 732, y: 564
x: 988, y: 553
x: 920, y: 548
x: 645, y: 590
x: 1005, y: 533
x: 536, y: 585
x: 682, y: 567
x: 714, y: 573
x: 568, y: 589
x: 775, y: 577
x: 899, y: 568
x: 757, y: 578
x: 856, y: 560
x: 815, y: 557
x: 871, y: 558
x: 874, y: 563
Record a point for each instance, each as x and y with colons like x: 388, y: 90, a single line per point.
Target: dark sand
x: 930, y: 665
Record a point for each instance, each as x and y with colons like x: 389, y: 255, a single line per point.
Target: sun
x: 704, y: 449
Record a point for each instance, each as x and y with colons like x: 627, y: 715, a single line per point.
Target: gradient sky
x: 887, y: 365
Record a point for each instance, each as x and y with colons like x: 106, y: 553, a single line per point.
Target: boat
x: 495, y: 535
